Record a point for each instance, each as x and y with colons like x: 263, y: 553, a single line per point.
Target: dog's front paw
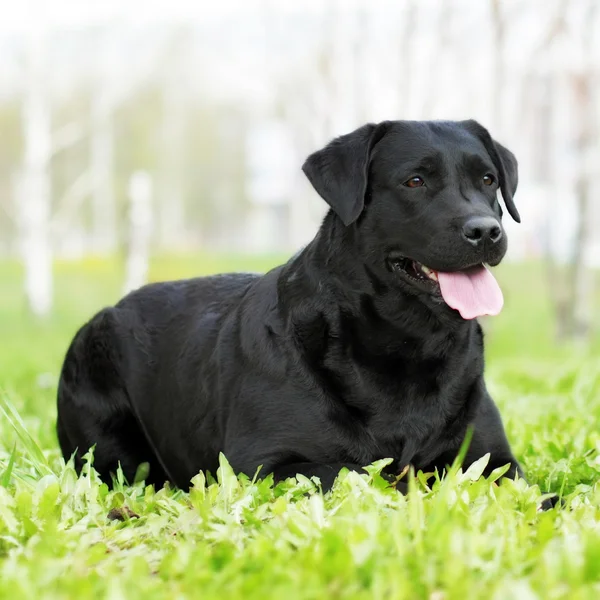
x: 550, y: 503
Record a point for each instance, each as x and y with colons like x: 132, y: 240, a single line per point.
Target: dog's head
x: 423, y: 196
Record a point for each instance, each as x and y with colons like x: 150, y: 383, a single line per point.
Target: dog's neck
x: 333, y: 269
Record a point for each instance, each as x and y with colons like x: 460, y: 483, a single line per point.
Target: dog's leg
x: 93, y: 406
x: 489, y: 437
x: 326, y: 472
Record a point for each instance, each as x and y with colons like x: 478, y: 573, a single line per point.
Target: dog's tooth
x: 431, y: 274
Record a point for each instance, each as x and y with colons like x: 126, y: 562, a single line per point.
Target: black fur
x: 333, y: 359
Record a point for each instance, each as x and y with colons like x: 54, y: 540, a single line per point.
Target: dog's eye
x: 415, y: 182
x: 488, y: 179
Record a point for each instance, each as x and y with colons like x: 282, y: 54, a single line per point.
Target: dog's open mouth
x: 414, y: 270
x: 473, y: 292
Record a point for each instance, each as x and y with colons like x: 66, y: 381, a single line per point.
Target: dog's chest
x: 397, y: 394
x: 411, y: 418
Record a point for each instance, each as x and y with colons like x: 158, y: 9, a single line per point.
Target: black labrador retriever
x: 365, y: 345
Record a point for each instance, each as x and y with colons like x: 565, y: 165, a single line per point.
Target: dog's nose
x: 482, y: 230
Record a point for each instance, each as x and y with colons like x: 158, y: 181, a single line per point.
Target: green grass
x: 463, y: 538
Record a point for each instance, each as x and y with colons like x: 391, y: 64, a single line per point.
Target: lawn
x: 464, y: 538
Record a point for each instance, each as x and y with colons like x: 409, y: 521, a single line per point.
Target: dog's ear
x: 340, y: 171
x: 506, y: 163
x: 509, y: 180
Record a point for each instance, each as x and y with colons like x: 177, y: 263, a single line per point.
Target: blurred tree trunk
x: 140, y: 231
x: 103, y: 200
x: 571, y: 290
x: 171, y: 197
x: 34, y: 189
x: 549, y: 106
x: 575, y: 318
x: 311, y: 105
x: 170, y: 188
x: 499, y: 80
x: 407, y: 56
x: 104, y: 220
x: 578, y: 315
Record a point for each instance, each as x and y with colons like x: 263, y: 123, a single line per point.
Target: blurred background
x: 154, y: 140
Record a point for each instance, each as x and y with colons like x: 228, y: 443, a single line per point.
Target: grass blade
x: 31, y: 447
x: 6, y: 476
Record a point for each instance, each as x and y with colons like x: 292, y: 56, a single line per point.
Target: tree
x: 571, y: 290
x: 170, y: 192
x: 140, y: 230
x: 33, y: 185
x: 585, y: 92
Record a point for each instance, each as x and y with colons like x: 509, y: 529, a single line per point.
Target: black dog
x: 363, y: 346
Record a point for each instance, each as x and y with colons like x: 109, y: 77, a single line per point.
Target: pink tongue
x: 472, y: 293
